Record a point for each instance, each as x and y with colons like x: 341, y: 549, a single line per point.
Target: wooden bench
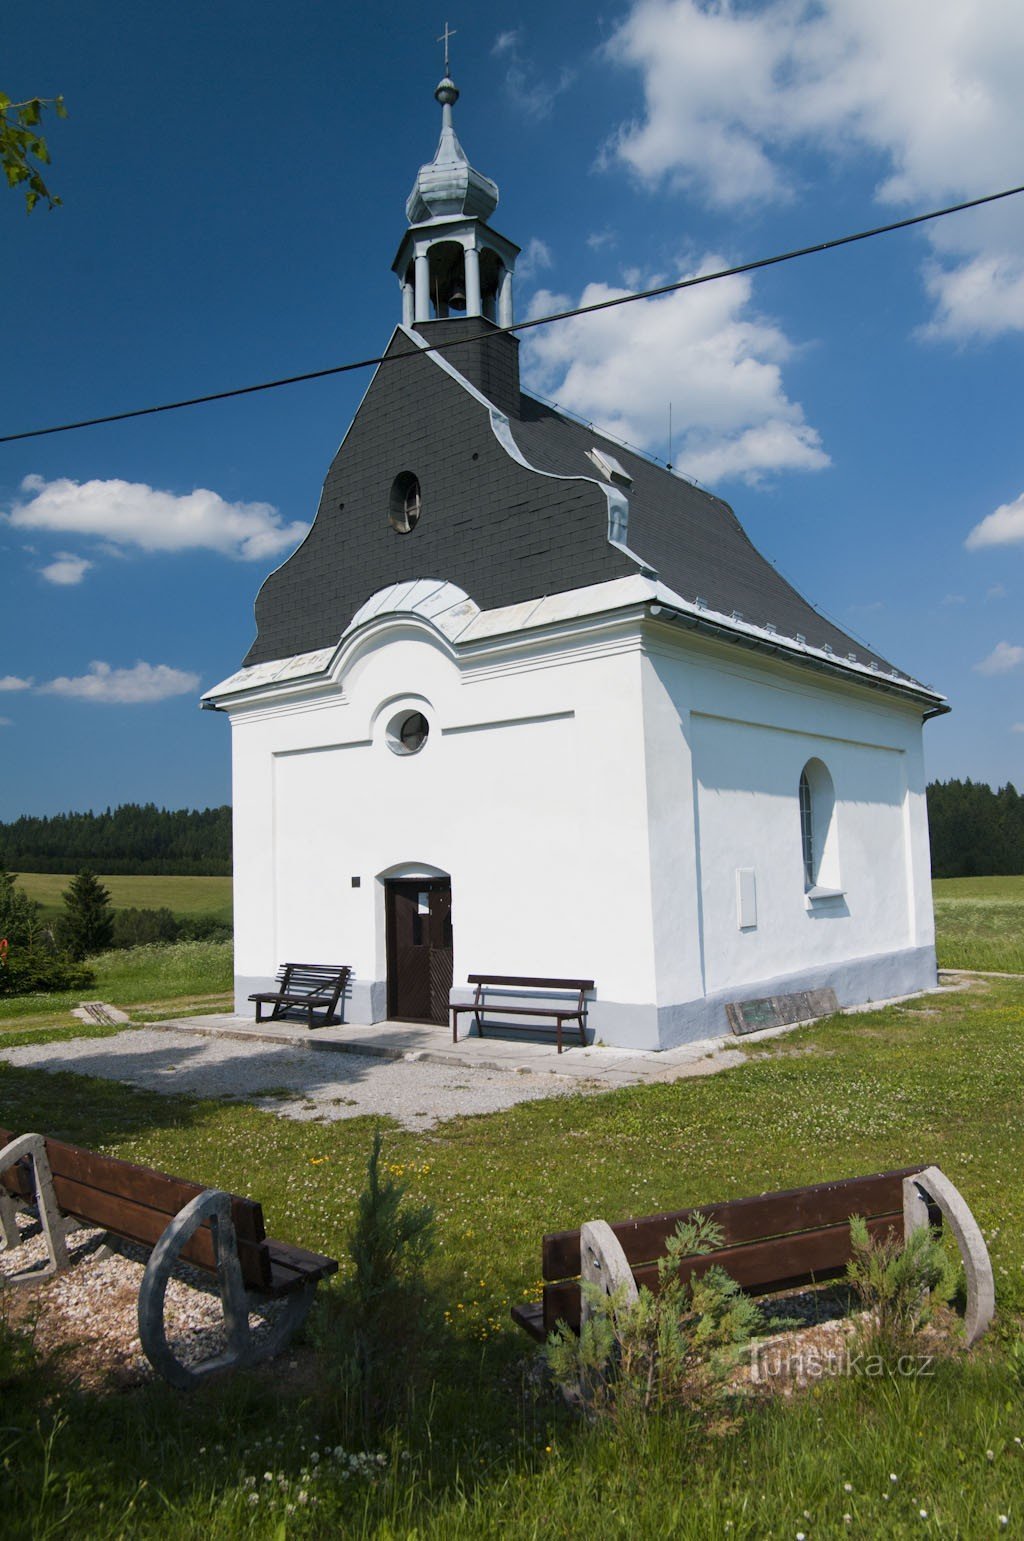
x: 773, y: 1242
x: 220, y: 1233
x: 307, y: 987
x: 500, y: 993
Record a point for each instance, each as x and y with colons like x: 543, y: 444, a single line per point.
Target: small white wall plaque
x: 746, y: 899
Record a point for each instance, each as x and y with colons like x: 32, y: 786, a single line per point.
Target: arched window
x: 405, y: 503
x: 819, y: 846
x: 807, y: 829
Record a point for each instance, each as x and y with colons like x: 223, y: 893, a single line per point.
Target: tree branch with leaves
x: 21, y: 144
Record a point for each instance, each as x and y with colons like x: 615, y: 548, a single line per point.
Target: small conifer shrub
x: 87, y: 925
x: 669, y: 1346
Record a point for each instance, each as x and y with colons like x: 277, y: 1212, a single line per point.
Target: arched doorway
x: 418, y: 913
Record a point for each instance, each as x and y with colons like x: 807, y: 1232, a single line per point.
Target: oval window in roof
x: 405, y: 503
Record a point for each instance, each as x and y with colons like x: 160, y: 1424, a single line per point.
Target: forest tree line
x: 975, y: 832
x: 135, y: 839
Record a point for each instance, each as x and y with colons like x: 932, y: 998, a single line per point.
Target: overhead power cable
x: 522, y: 326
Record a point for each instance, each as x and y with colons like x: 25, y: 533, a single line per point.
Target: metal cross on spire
x: 449, y: 32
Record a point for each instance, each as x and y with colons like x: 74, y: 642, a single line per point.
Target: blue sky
x: 233, y: 181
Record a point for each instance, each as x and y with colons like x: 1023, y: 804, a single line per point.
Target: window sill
x: 815, y: 896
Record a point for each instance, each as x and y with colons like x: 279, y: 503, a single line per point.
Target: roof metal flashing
x: 618, y: 503
x: 824, y: 660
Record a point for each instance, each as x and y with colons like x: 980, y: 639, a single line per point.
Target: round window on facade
x: 405, y: 503
x: 407, y: 733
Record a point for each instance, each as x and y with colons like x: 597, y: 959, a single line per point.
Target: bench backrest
x: 516, y: 987
x: 776, y: 1241
x: 137, y: 1203
x: 321, y: 977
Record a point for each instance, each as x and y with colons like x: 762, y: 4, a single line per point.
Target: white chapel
x: 525, y: 701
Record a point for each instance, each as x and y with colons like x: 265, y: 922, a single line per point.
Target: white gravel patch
x: 297, y: 1083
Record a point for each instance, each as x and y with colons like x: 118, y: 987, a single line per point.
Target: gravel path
x: 297, y: 1083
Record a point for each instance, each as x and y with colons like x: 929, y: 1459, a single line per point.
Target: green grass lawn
x: 483, y: 1455
x: 979, y: 923
x: 152, y: 982
x: 182, y: 895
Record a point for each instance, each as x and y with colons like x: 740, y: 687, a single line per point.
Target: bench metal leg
x: 33, y: 1146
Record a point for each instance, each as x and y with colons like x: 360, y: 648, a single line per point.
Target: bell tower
x: 451, y: 263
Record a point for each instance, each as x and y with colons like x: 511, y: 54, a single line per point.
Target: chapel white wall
x: 530, y: 793
x: 726, y: 738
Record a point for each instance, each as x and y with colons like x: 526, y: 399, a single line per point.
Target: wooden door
x: 419, y: 937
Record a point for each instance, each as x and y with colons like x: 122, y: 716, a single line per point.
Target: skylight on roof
x: 610, y: 468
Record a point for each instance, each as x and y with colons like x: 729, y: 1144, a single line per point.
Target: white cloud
x: 1003, y: 527
x: 997, y: 591
x: 505, y: 42
x: 599, y: 238
x: 5, y: 722
x: 930, y: 90
x: 126, y: 687
x: 703, y: 350
x: 955, y: 599
x: 134, y: 514
x: 1018, y: 727
x: 12, y: 682
x: 533, y: 95
x: 536, y: 256
x: 66, y: 568
x: 1003, y: 659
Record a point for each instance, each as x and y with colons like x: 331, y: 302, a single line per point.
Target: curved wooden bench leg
x: 981, y: 1291
x: 215, y: 1207
x: 33, y: 1146
x: 603, y: 1262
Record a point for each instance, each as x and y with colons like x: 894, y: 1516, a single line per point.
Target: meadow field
x: 182, y: 895
x: 979, y: 923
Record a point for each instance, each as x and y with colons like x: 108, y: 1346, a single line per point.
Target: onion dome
x: 448, y: 184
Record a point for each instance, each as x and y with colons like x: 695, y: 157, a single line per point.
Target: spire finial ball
x: 447, y: 92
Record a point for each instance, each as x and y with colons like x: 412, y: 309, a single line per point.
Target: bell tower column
x: 506, y: 315
x: 422, y: 307
x: 473, y: 303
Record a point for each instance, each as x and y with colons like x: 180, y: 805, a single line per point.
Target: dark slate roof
x: 693, y: 539
x: 494, y: 527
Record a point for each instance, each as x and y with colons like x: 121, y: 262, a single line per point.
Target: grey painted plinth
x: 33, y: 1147
x: 214, y: 1206
x: 981, y: 1289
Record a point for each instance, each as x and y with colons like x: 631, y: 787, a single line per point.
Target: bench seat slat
x: 530, y: 1317
x: 742, y: 1220
x: 307, y: 998
x: 784, y: 1262
x: 291, y: 1267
